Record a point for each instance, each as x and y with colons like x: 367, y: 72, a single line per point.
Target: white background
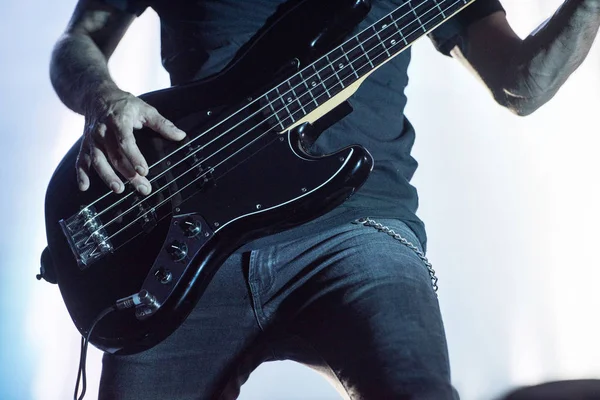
x: 511, y: 207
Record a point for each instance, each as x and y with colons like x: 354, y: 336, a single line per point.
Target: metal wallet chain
x: 382, y: 228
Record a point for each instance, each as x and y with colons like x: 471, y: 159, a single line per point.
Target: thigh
x: 207, y: 357
x: 371, y: 315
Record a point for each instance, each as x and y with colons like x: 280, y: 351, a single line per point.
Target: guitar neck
x: 356, y: 58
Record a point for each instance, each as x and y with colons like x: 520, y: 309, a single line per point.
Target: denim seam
x: 254, y: 292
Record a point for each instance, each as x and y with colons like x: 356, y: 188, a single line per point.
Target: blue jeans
x: 351, y: 302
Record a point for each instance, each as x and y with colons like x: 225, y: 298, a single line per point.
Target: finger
x: 122, y: 165
x: 105, y: 171
x: 126, y: 145
x: 82, y: 168
x: 163, y: 126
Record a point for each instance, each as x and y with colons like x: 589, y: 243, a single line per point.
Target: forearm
x: 79, y: 71
x: 550, y: 55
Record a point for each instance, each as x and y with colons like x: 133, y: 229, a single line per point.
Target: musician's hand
x: 108, y: 143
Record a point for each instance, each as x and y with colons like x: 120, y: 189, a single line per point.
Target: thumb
x: 163, y: 126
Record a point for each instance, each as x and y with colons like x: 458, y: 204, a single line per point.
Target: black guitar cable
x: 85, y: 340
x: 141, y: 298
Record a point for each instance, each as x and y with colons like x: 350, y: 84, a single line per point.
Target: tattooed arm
x: 523, y: 75
x: 79, y: 73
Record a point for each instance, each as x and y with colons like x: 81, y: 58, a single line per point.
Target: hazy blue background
x: 511, y: 207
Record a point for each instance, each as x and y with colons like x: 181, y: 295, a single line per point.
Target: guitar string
x: 212, y: 169
x: 270, y: 103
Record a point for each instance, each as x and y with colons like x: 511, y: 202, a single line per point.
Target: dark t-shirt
x: 199, y: 37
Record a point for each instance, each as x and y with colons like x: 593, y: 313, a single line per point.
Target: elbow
x: 521, y: 106
x: 523, y: 95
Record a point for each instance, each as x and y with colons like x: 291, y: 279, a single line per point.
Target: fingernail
x: 115, y: 187
x: 143, y: 189
x: 140, y: 170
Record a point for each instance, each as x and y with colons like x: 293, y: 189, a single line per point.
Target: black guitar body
x: 238, y: 176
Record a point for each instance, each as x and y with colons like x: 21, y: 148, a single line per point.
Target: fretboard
x: 358, y: 56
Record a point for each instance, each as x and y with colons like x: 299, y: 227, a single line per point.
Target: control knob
x: 163, y: 275
x: 178, y: 250
x: 191, y: 227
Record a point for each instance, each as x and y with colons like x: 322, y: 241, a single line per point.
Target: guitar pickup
x: 146, y: 216
x: 193, y: 157
x: 203, y: 174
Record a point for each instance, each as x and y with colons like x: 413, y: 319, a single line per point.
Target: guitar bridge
x: 87, y: 237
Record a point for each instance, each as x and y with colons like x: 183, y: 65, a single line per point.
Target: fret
x: 432, y: 16
x: 350, y: 63
x: 398, y: 29
x: 437, y: 5
x: 293, y: 96
x: 345, y: 64
x: 379, y: 53
x: 385, y: 26
x: 405, y: 20
x: 282, y: 112
x: 342, y: 67
x: 274, y: 121
x: 369, y: 40
x: 329, y: 77
x: 303, y: 94
x: 321, y: 81
x: 289, y: 98
x: 414, y: 28
x: 317, y: 88
x: 309, y: 90
x: 427, y: 14
x: 417, y: 15
x: 394, y: 41
x: 379, y: 30
x: 365, y: 55
x: 286, y: 103
x: 275, y: 113
x: 334, y: 71
x: 373, y: 45
x: 356, y: 53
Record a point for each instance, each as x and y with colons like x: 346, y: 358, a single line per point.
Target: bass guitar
x: 244, y: 171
